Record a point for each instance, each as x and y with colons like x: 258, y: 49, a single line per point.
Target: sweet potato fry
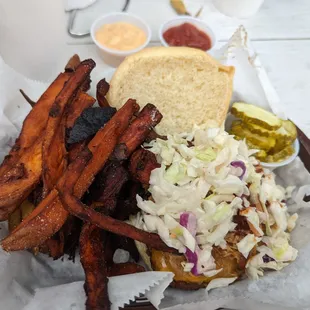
x: 75, y: 149
x: 77, y: 208
x: 73, y: 63
x: 49, y: 216
x: 71, y: 230
x: 53, y: 149
x: 35, y: 122
x: 14, y: 219
x: 142, y: 162
x: 102, y: 89
x: 154, y: 135
x: 124, y: 268
x: 92, y: 242
x: 127, y: 202
x: 78, y: 105
x: 137, y: 132
x: 31, y: 102
x: 12, y: 193
x: 107, y: 185
x: 103, y: 143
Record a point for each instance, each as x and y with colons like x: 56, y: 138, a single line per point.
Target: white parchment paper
x: 32, y: 283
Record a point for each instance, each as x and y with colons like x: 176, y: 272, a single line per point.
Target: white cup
x: 177, y: 21
x: 33, y: 37
x: 110, y: 56
x: 238, y: 8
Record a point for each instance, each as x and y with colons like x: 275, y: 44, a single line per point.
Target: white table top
x: 280, y: 32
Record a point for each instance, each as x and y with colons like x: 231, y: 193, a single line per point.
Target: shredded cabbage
x: 247, y: 244
x: 205, y: 180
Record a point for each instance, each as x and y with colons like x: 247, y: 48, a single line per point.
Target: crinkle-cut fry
x: 78, y: 105
x: 124, y: 268
x: 77, y: 208
x: 92, y: 244
x: 102, y: 89
x: 35, y: 123
x: 49, y: 216
x: 54, y: 149
x: 137, y: 132
x: 13, y: 193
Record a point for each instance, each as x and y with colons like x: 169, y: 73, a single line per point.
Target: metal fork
x: 84, y: 34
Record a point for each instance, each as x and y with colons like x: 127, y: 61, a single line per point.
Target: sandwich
x: 209, y: 198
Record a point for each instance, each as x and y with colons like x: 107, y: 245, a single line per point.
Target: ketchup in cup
x: 187, y: 35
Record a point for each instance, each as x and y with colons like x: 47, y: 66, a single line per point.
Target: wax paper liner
x: 122, y: 289
x: 24, y: 276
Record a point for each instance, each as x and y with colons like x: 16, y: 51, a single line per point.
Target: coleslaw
x: 206, y: 181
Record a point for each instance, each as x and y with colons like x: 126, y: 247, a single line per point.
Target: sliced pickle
x: 262, y: 143
x: 290, y: 128
x: 252, y: 114
x: 283, y: 154
x: 280, y: 145
x: 259, y: 130
x: 261, y: 155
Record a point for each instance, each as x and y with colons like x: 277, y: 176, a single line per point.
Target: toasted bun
x: 187, y: 85
x: 230, y: 261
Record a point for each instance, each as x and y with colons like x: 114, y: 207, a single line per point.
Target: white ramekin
x: 200, y: 24
x: 110, y: 56
x: 285, y: 162
x: 238, y: 8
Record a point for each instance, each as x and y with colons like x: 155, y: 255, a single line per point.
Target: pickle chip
x: 261, y: 155
x: 280, y: 145
x: 290, y: 128
x: 282, y: 155
x: 262, y: 143
x: 259, y: 130
x: 255, y: 115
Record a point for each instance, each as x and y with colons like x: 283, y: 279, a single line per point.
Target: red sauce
x: 187, y: 35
